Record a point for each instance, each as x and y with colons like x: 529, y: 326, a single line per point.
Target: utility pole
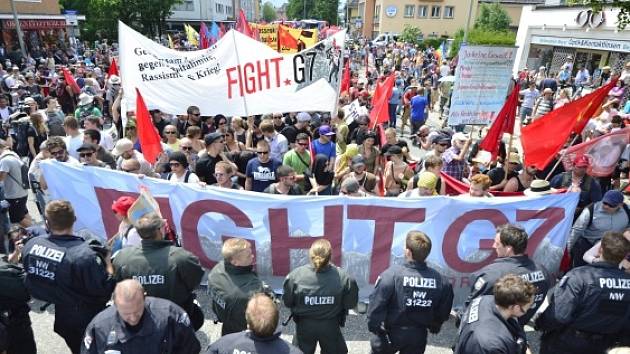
x: 304, y: 16
x: 470, y: 7
x: 18, y: 29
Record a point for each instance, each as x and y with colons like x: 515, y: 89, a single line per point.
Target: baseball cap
x: 212, y: 137
x: 325, y: 130
x: 613, y: 198
x: 122, y: 205
x: 514, y: 158
x: 581, y: 161
x: 358, y: 160
x: 394, y: 150
x: 303, y: 117
x: 87, y: 146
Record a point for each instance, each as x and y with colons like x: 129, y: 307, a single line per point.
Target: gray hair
x: 148, y: 225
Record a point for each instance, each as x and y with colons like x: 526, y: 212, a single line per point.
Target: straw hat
x: 539, y: 187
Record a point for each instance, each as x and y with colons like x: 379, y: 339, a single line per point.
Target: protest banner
x: 306, y: 38
x: 367, y: 234
x: 481, y: 84
x: 238, y: 76
x: 354, y: 110
x: 268, y: 34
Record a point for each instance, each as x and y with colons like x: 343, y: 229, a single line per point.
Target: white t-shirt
x: 73, y: 143
x: 191, y: 179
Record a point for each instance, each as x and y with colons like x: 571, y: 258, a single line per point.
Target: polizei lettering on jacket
x: 614, y: 283
x: 48, y: 253
x: 151, y: 279
x: 319, y: 300
x: 534, y: 277
x: 415, y: 282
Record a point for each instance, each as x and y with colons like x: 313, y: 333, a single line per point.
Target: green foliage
x: 146, y: 16
x: 326, y: 10
x: 492, y: 17
x: 411, y: 34
x: 623, y: 17
x: 482, y: 37
x: 268, y: 12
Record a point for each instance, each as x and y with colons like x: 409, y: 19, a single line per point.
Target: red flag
x: 243, y: 26
x: 147, y: 133
x: 70, y: 81
x: 380, y: 132
x: 345, y: 81
x: 204, y: 38
x: 603, y: 153
x: 221, y: 30
x: 285, y: 39
x: 457, y: 187
x: 380, y: 101
x: 503, y: 123
x: 113, y: 68
x: 542, y: 139
x: 311, y: 150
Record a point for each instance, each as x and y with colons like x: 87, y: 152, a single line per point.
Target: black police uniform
x: 588, y: 310
x: 164, y: 271
x: 407, y: 299
x: 164, y: 328
x: 230, y: 288
x: 248, y: 342
x: 523, y: 266
x: 319, y: 303
x: 14, y: 309
x: 66, y: 270
x: 484, y: 331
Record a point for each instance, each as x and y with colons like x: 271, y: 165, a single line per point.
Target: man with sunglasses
x: 58, y: 151
x: 205, y: 168
x: 93, y: 136
x: 87, y: 156
x: 261, y: 171
x: 193, y: 118
x: 609, y: 214
x: 299, y: 158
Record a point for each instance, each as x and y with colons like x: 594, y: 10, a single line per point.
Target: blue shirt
x: 262, y: 174
x: 418, y: 108
x: 396, y: 96
x: 329, y: 149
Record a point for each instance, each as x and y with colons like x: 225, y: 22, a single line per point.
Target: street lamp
x: 18, y: 29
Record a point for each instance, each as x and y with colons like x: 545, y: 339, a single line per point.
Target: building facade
x: 191, y: 11
x: 549, y: 34
x: 41, y: 22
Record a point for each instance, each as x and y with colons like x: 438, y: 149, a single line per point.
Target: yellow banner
x: 306, y: 38
x: 268, y: 34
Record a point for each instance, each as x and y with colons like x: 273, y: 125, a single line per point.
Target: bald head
x: 129, y: 300
x: 130, y: 166
x: 261, y: 315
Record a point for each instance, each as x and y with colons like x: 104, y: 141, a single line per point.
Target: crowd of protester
x: 299, y: 153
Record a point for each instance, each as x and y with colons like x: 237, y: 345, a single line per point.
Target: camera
x: 4, y: 206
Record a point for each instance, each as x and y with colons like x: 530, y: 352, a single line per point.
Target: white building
x: 549, y: 33
x: 194, y: 11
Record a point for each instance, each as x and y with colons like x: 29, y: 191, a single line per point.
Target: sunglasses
x: 262, y: 152
x: 58, y: 152
x: 129, y: 171
x: 303, y: 144
x: 221, y: 123
x: 169, y: 132
x: 86, y: 154
x: 442, y: 144
x: 609, y: 205
x: 186, y: 148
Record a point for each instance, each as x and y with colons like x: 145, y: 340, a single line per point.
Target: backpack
x: 55, y: 125
x: 24, y: 181
x: 20, y: 134
x: 168, y: 176
x: 591, y: 207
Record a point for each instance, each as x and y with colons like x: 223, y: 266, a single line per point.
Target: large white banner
x: 482, y: 78
x: 236, y: 76
x: 367, y: 234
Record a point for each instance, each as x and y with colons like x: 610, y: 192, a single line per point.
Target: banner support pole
x: 507, y: 157
x: 561, y: 157
x: 238, y: 62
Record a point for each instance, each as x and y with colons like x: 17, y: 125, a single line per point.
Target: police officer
x: 262, y: 336
x: 14, y: 310
x: 139, y: 324
x: 510, y: 244
x: 407, y: 299
x: 589, y: 310
x: 490, y: 324
x: 164, y: 270
x: 69, y: 272
x: 231, y: 283
x: 319, y: 296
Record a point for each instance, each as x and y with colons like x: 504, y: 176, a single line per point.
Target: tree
x: 492, y: 17
x: 481, y: 36
x: 268, y: 12
x: 623, y: 17
x: 411, y: 34
x: 326, y: 10
x: 300, y: 9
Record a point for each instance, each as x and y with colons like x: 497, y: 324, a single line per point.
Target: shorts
x: 526, y: 111
x: 17, y: 209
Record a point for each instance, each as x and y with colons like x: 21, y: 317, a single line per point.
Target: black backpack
x: 168, y: 176
x: 20, y: 134
x: 23, y: 181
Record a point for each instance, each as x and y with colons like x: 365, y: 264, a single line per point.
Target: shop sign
x: 390, y: 11
x: 34, y: 24
x: 585, y: 43
x: 590, y: 18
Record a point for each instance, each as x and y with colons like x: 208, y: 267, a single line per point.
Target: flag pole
x: 506, y: 161
x: 561, y: 157
x: 238, y: 62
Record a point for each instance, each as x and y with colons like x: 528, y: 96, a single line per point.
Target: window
x: 422, y: 11
x: 228, y: 10
x: 187, y: 5
x: 409, y: 10
x: 435, y: 11
x: 219, y: 8
x: 449, y: 11
x: 377, y: 12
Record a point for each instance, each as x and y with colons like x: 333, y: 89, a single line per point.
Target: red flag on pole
x: 380, y: 101
x: 285, y: 39
x: 243, y: 26
x: 603, y: 153
x: 113, y: 68
x: 204, y: 38
x: 345, y: 81
x: 147, y: 133
x: 503, y: 123
x: 70, y: 81
x: 542, y: 139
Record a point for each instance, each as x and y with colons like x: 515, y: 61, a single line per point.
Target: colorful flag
x: 345, y: 81
x: 439, y: 53
x: 503, y: 123
x: 222, y: 30
x: 380, y: 101
x: 170, y: 42
x: 285, y: 39
x: 113, y: 68
x: 542, y: 139
x: 603, y: 153
x: 215, y: 33
x: 242, y: 25
x: 70, y: 81
x: 204, y: 36
x: 147, y: 133
x: 191, y: 35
